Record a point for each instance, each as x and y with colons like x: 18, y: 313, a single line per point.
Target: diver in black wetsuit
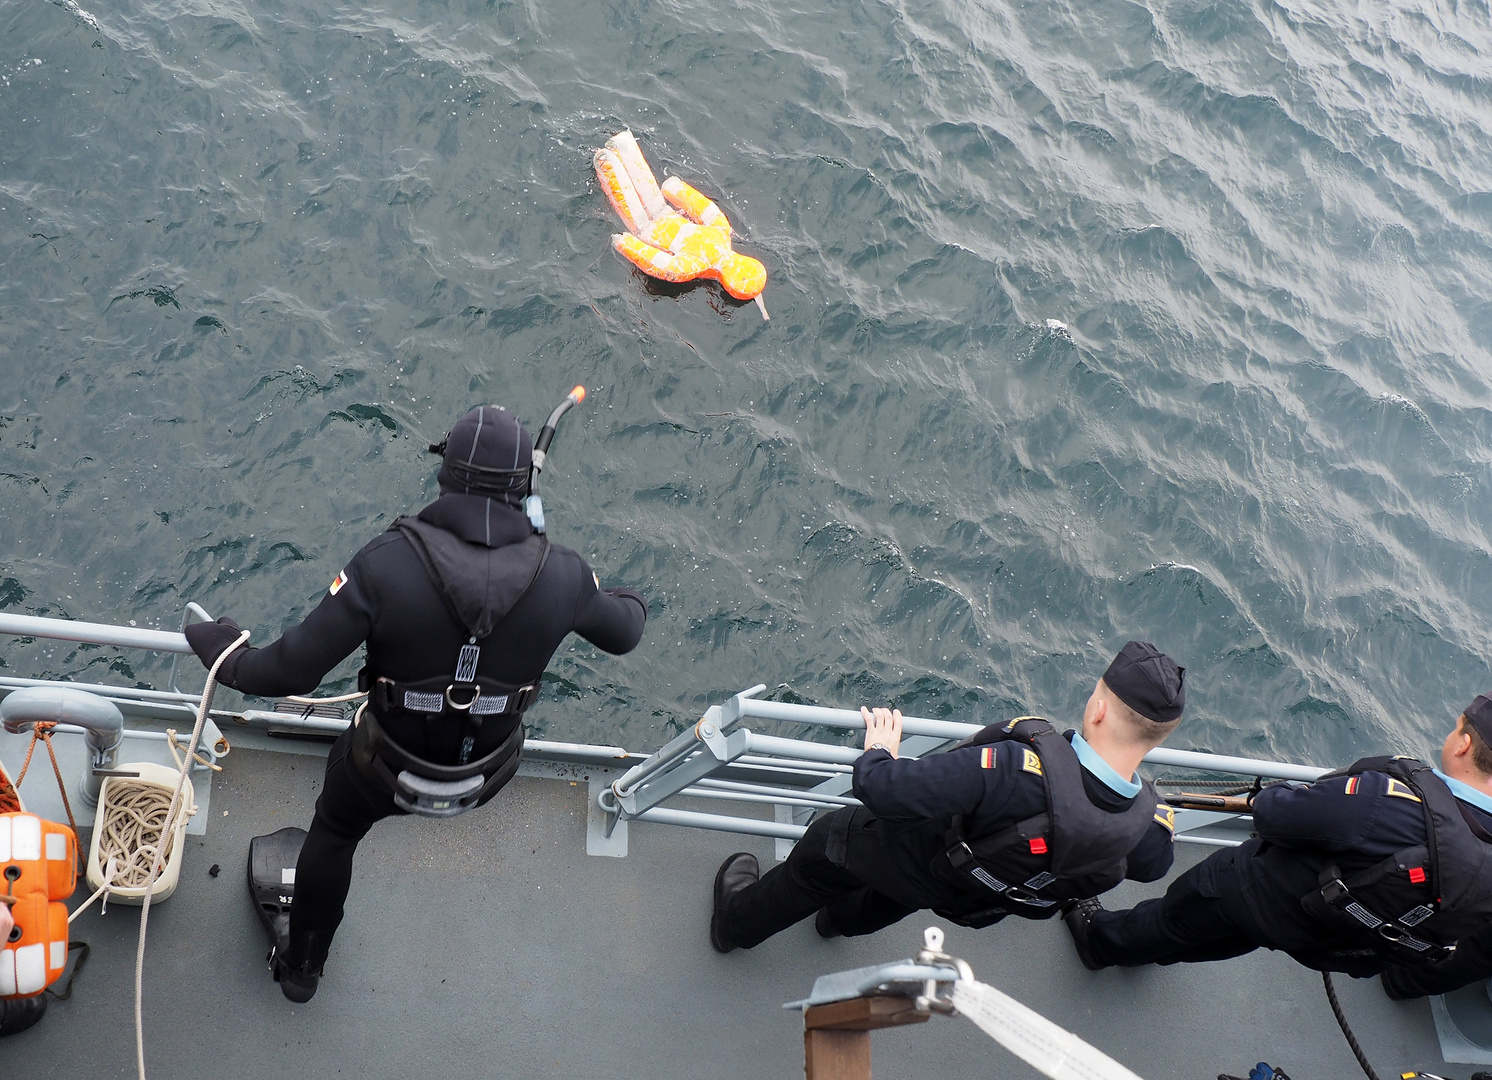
x: 461, y: 608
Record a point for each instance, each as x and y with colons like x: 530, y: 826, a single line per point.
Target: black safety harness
x: 1442, y: 889
x: 424, y: 787
x: 1072, y: 851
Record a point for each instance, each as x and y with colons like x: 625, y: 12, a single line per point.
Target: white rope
x: 338, y: 700
x: 108, y: 879
x: 131, y: 832
x: 208, y: 689
x: 1033, y: 1038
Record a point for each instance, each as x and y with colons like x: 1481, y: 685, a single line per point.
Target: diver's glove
x: 209, y: 639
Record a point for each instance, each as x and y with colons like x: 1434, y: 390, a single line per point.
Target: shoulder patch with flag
x: 338, y: 583
x: 1352, y: 785
x: 1030, y: 762
x: 987, y: 758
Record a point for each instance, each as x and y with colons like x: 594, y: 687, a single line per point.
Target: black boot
x: 17, y: 1014
x: 297, y: 966
x: 735, y: 874
x: 1394, y: 987
x: 823, y: 922
x: 1077, y: 920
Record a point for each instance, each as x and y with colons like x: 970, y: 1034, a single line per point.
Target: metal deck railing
x: 718, y: 759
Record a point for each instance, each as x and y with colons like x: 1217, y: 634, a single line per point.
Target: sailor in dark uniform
x: 461, y: 607
x: 1382, y: 867
x: 1019, y: 820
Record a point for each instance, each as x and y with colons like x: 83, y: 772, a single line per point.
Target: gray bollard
x: 101, y: 720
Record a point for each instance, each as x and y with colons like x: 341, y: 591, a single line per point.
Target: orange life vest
x: 39, y: 867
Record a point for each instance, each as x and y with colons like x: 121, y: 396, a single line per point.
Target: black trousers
x: 346, y: 809
x: 807, y: 880
x: 1192, y: 922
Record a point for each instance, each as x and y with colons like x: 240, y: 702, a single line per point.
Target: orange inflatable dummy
x: 663, y: 242
x: 38, y: 869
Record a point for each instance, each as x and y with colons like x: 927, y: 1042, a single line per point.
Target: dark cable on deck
x: 1336, y: 1009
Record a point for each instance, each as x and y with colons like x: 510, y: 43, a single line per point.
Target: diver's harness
x: 1067, y: 853
x: 424, y: 787
x: 1413, y: 881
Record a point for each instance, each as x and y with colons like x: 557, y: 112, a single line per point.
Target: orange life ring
x: 39, y: 869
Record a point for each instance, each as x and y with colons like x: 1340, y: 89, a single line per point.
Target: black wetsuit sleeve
x: 923, y: 789
x: 300, y: 659
x: 610, y: 619
x: 1152, y: 857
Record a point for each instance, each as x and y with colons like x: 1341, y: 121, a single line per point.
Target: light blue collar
x: 1089, y: 759
x: 1466, y: 793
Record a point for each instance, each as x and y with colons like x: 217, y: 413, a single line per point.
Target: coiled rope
x: 158, y: 863
x: 134, y: 822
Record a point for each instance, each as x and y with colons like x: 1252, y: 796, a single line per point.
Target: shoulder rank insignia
x: 338, y: 583
x: 1165, y: 815
x: 1030, y: 762
x: 987, y: 758
x: 1353, y: 783
x: 1400, y: 790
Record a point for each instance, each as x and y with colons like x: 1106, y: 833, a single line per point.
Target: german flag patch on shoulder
x: 341, y: 580
x: 987, y: 758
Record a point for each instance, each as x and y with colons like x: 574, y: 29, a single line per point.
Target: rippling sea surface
x: 1091, y: 321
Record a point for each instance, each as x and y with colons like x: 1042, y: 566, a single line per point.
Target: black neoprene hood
x: 488, y: 452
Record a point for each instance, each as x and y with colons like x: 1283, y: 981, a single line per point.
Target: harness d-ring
x: 476, y: 692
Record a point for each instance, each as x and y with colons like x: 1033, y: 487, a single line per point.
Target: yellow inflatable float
x: 665, y: 243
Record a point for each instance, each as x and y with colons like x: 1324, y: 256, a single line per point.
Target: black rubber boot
x: 298, y: 968
x: 1394, y: 988
x: 823, y: 922
x: 1076, y: 918
x: 735, y: 873
x: 17, y: 1014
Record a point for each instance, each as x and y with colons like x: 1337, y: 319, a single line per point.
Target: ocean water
x: 1089, y: 321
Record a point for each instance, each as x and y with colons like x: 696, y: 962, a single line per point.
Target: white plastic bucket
x: 154, y: 776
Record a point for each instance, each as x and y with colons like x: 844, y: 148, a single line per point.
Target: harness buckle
x: 960, y: 855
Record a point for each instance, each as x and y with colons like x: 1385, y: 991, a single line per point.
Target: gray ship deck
x: 493, y: 946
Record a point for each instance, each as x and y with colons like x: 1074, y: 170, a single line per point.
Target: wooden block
x: 863, y: 1014
x: 836, y: 1055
